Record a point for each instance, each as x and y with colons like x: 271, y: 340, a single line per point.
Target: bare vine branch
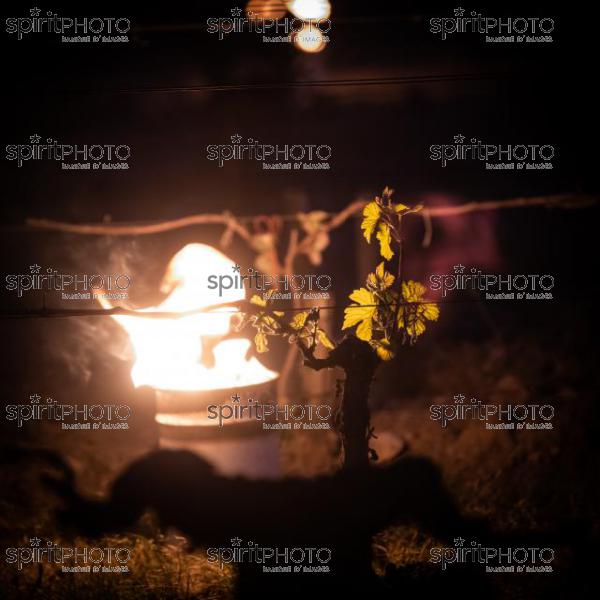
x: 567, y: 201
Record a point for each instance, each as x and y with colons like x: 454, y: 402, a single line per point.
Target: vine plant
x: 385, y: 314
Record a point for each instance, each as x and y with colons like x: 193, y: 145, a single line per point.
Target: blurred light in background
x: 310, y: 9
x: 310, y: 39
x: 266, y: 9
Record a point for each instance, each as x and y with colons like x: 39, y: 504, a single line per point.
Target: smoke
x: 79, y: 345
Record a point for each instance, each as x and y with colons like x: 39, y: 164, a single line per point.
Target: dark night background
x: 380, y: 135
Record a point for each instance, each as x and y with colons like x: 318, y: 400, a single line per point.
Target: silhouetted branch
x: 568, y: 201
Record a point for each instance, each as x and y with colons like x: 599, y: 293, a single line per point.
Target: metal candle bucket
x: 238, y: 447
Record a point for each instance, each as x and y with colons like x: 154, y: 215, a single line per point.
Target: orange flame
x: 168, y: 352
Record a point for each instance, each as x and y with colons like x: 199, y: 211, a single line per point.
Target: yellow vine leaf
x: 362, y: 312
x: 381, y: 279
x: 299, y: 319
x: 365, y: 330
x: 386, y: 279
x: 362, y: 296
x: 257, y: 300
x: 412, y: 291
x: 260, y: 340
x: 268, y: 321
x: 355, y: 314
x: 324, y: 339
x: 385, y: 238
x: 371, y: 214
x: 384, y: 349
x: 431, y: 311
x: 413, y: 317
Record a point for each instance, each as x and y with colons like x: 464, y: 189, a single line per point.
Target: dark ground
x: 528, y: 482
